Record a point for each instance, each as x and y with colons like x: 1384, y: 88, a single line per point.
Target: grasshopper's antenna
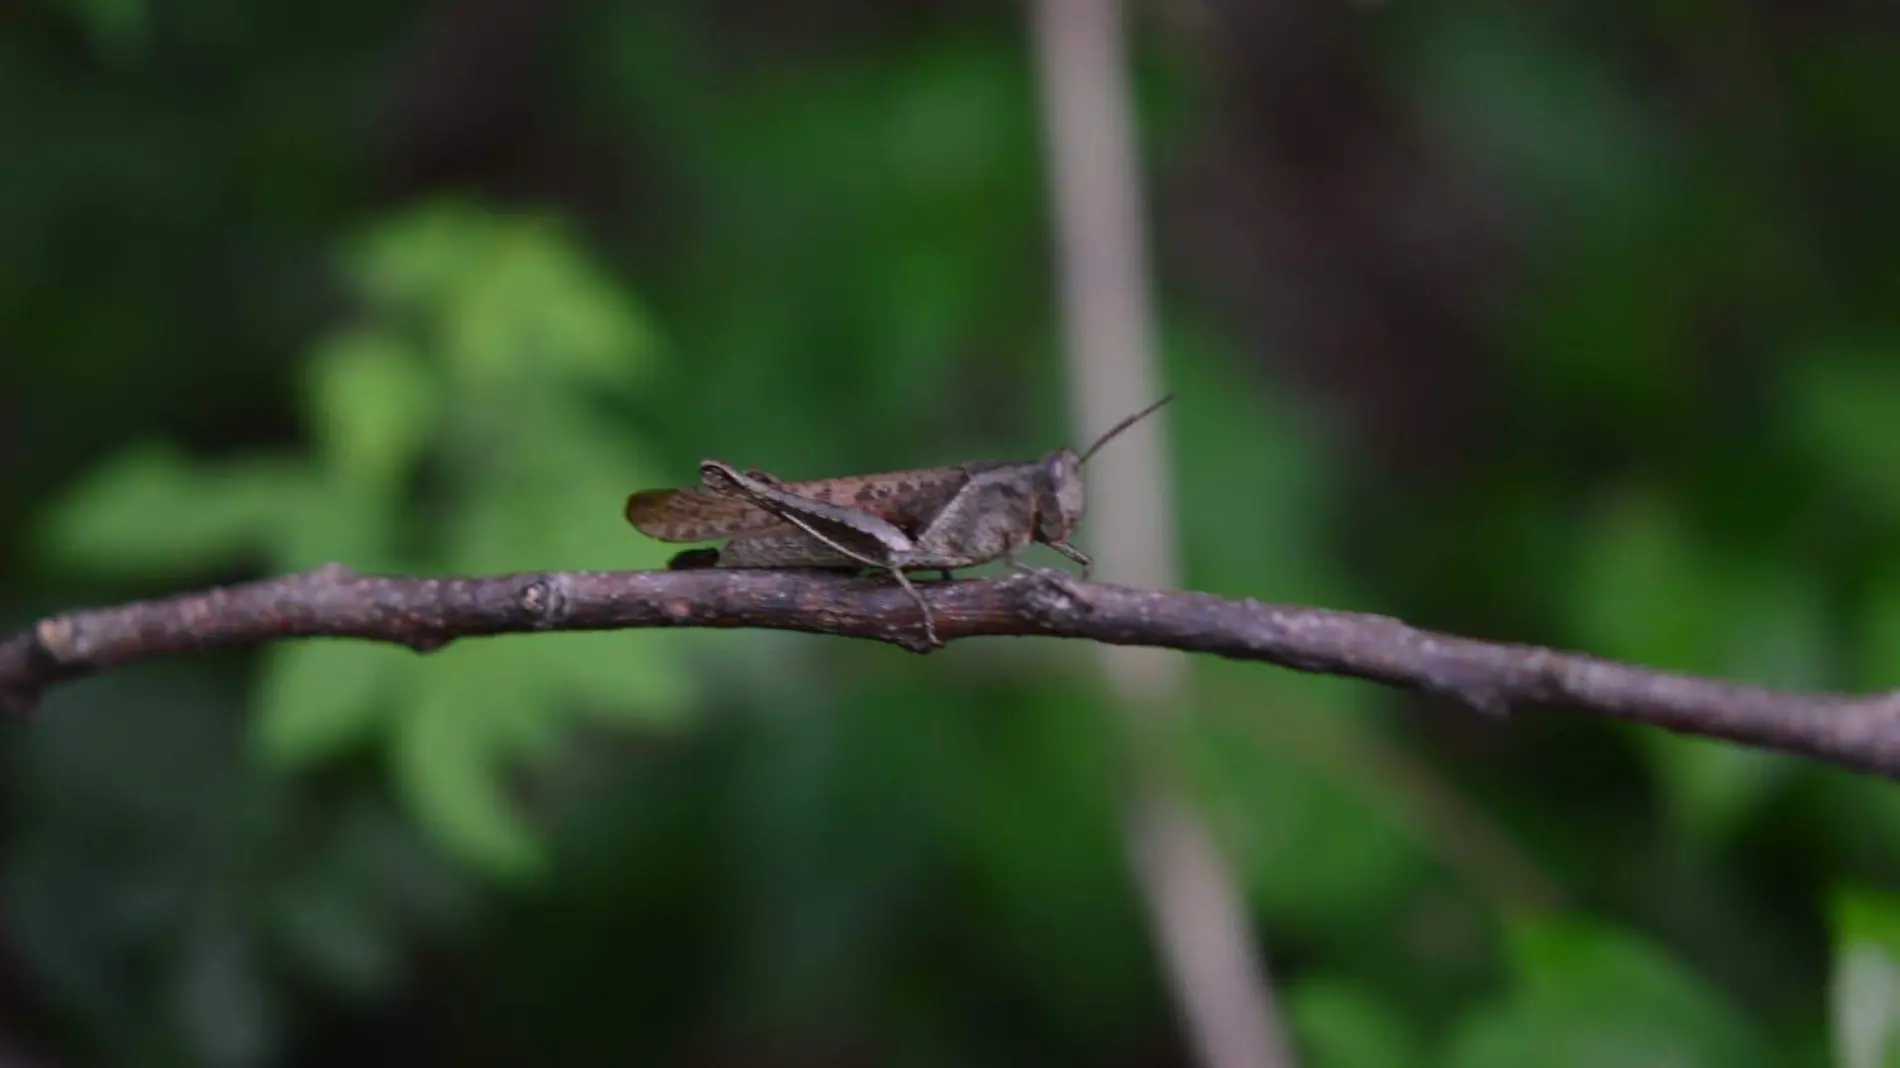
x: 1124, y: 425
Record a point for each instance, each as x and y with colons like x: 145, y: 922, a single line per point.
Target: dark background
x: 1573, y: 323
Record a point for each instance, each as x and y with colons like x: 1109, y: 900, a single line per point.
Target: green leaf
x: 151, y: 512
x: 538, y: 311
x: 333, y: 520
x: 359, y: 895
x: 1314, y: 847
x: 454, y: 741
x: 1587, y: 995
x: 413, y: 262
x: 1863, y: 917
x: 514, y: 296
x: 1865, y: 987
x: 1878, y: 658
x: 1712, y: 786
x: 1545, y: 110
x: 374, y: 407
x: 1339, y: 1025
x: 318, y: 697
x: 630, y: 677
x: 1254, y: 518
x: 1846, y: 401
x: 1646, y: 591
x: 119, y: 29
x: 341, y: 938
x: 224, y: 1001
x: 552, y: 496
x: 1641, y: 591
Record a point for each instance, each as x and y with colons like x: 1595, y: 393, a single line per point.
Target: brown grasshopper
x: 929, y: 519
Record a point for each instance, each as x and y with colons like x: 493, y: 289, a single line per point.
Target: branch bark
x: 1860, y: 732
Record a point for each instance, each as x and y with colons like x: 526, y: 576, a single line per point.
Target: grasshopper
x: 929, y: 519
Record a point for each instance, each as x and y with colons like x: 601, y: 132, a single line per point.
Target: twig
x: 1861, y: 732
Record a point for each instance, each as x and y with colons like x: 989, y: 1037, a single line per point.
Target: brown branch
x: 1861, y: 732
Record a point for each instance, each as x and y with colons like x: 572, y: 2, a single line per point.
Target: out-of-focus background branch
x: 1214, y: 960
x: 1567, y: 324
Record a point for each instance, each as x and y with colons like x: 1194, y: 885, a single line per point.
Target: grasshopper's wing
x: 903, y: 498
x: 698, y: 515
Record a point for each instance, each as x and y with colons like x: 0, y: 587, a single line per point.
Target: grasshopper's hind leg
x: 923, y: 606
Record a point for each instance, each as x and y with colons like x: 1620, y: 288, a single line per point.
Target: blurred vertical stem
x: 1193, y: 902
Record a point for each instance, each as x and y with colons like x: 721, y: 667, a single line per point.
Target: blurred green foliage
x: 1584, y: 994
x: 254, y: 325
x: 485, y: 347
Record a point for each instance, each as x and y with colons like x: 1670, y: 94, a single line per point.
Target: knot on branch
x: 545, y: 600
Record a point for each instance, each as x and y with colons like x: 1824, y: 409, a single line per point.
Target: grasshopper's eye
x: 1058, y: 470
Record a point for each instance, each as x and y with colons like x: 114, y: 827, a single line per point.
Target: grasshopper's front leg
x: 856, y: 535
x: 1075, y: 554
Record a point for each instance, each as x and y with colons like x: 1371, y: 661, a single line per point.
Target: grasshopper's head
x: 1059, y: 497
